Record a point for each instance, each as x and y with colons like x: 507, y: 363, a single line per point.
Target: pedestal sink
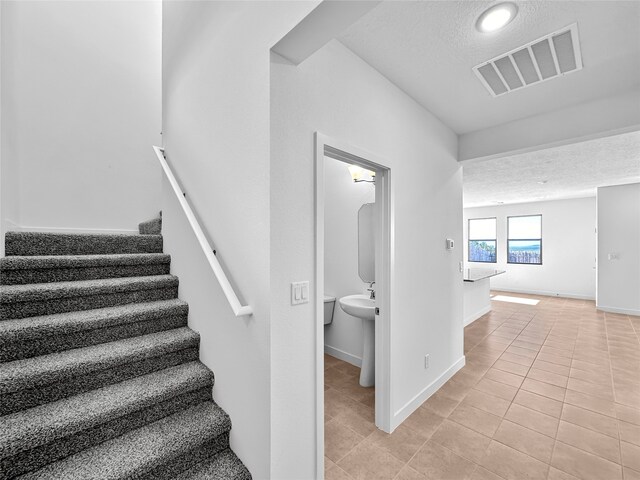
x: 363, y: 307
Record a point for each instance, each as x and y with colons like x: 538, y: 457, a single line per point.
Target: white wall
x: 9, y: 171
x: 338, y: 94
x: 619, y: 234
x: 343, y: 198
x: 216, y: 132
x: 81, y: 107
x: 586, y: 121
x: 568, y: 248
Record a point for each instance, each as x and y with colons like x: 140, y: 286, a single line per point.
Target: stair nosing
x: 50, y: 262
x: 83, y: 288
x: 221, y: 458
x: 35, y: 426
x: 86, y: 320
x: 43, y: 370
x: 143, y: 449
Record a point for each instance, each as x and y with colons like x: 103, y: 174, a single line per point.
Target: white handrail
x: 238, y: 309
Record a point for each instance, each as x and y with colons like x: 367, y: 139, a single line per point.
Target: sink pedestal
x: 364, y: 307
x: 368, y: 369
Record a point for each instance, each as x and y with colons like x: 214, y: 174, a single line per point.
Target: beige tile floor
x: 550, y: 391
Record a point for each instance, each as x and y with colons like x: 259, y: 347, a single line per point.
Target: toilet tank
x: 329, y: 304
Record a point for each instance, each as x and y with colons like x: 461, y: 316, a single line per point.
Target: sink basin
x: 360, y: 306
x: 363, y: 307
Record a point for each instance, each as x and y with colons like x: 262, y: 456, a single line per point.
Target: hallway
x: 549, y: 391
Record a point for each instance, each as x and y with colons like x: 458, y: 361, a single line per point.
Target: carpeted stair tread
x: 44, y: 424
x: 48, y: 291
x: 25, y: 337
x: 80, y: 261
x: 70, y: 322
x: 20, y: 270
x: 223, y: 466
x: 100, y: 376
x: 141, y: 451
x: 21, y: 301
x: 46, y: 369
x: 38, y: 243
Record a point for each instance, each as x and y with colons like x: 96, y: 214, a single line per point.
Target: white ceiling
x: 428, y: 49
x: 571, y: 171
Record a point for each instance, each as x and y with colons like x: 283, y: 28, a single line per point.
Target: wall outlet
x: 426, y: 361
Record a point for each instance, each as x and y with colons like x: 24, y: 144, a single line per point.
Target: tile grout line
x: 548, y: 465
x: 613, y: 387
x: 547, y: 327
x: 477, y: 465
x: 502, y: 418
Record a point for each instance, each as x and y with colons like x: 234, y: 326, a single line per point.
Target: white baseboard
x: 10, y: 224
x: 412, y: 405
x: 474, y: 316
x: 545, y: 293
x: 344, y: 356
x: 623, y: 311
x: 22, y: 228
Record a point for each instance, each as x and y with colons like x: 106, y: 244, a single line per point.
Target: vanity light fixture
x: 496, y: 17
x: 357, y: 173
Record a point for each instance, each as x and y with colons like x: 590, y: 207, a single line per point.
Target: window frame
x: 524, y: 239
x: 469, y: 240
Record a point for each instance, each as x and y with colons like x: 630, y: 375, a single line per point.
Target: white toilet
x: 329, y: 304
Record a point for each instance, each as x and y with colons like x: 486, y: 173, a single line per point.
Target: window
x: 524, y: 239
x: 482, y: 240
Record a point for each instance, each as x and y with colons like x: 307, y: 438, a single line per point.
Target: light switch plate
x: 299, y: 292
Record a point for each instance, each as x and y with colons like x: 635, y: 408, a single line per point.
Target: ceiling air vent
x: 543, y: 59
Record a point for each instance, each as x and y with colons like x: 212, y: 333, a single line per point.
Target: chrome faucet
x: 373, y: 292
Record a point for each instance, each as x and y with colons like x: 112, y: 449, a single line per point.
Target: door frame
x: 383, y: 212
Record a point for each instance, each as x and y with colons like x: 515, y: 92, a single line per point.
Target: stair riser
x: 27, y: 346
x: 77, y: 382
x: 88, y: 302
x: 222, y: 465
x: 174, y: 466
x: 55, y: 244
x: 49, y: 275
x: 38, y: 457
x: 150, y: 227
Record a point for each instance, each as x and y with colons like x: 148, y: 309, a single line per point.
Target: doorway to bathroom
x: 353, y: 239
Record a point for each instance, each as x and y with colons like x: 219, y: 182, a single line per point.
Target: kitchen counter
x: 477, y: 297
x: 476, y: 274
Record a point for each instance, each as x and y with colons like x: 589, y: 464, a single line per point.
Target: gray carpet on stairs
x: 33, y: 243
x: 221, y: 467
x: 99, y: 374
x: 151, y: 227
x: 20, y: 301
x: 19, y: 270
x: 142, y: 451
x: 33, y: 336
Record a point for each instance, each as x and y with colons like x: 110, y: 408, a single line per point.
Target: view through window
x: 524, y: 239
x: 482, y: 240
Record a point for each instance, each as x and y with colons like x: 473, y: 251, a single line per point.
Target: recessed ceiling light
x: 542, y: 182
x: 496, y: 17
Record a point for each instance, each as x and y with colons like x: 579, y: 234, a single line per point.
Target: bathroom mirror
x: 366, y: 244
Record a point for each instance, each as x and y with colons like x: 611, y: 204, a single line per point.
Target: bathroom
x: 348, y: 261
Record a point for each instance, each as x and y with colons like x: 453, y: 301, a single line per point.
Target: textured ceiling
x: 428, y: 49
x: 571, y: 171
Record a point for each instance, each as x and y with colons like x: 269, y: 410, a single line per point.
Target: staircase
x: 99, y: 372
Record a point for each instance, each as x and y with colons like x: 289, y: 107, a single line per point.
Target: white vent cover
x: 548, y: 57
